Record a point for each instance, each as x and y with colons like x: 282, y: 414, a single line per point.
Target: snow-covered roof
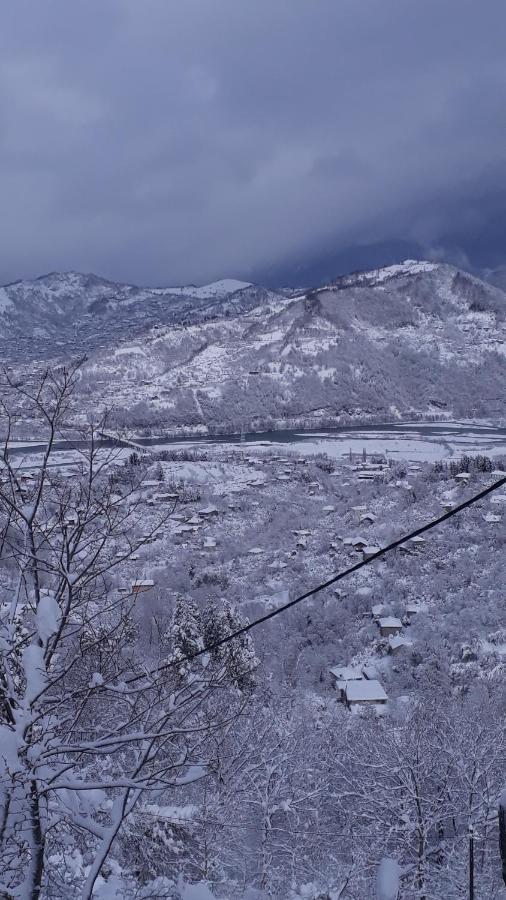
x: 365, y: 690
x: 390, y: 622
x: 346, y: 673
x: 397, y: 641
x: 194, y: 521
x: 369, y: 672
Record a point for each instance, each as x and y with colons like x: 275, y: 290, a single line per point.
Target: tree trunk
x: 502, y: 833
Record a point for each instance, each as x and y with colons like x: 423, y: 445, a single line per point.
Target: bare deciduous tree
x: 88, y: 727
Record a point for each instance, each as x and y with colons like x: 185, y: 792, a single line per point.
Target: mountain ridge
x: 418, y: 339
x: 409, y: 340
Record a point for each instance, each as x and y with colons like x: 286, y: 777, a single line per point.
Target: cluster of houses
x: 358, y: 686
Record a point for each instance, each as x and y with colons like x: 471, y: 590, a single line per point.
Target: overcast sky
x: 167, y: 141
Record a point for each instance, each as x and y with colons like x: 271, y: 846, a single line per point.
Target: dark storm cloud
x: 175, y: 140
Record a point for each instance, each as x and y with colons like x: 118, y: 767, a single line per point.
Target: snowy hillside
x: 412, y: 340
x: 79, y: 313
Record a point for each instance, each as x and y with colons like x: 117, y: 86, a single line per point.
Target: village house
x: 277, y: 564
x: 140, y: 587
x: 389, y: 626
x: 359, y: 544
x: 491, y: 518
x: 341, y: 675
x: 370, y: 551
x: 183, y: 530
x: 364, y: 693
x: 397, y: 643
x: 345, y: 673
x: 195, y: 521
x: 377, y: 610
x: 369, y: 672
x: 208, y: 512
x: 415, y: 607
x: 358, y: 511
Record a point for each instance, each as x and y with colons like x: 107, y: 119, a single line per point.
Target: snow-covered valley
x: 173, y: 751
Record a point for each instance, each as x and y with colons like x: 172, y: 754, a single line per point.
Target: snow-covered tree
x: 89, y: 728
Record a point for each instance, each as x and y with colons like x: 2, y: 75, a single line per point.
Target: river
x: 416, y: 441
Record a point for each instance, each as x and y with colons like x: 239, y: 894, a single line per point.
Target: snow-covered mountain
x: 414, y: 339
x: 69, y: 312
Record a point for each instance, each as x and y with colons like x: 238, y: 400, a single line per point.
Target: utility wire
x: 340, y: 575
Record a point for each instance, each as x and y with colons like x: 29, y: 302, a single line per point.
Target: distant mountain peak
x: 409, y: 267
x: 216, y: 289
